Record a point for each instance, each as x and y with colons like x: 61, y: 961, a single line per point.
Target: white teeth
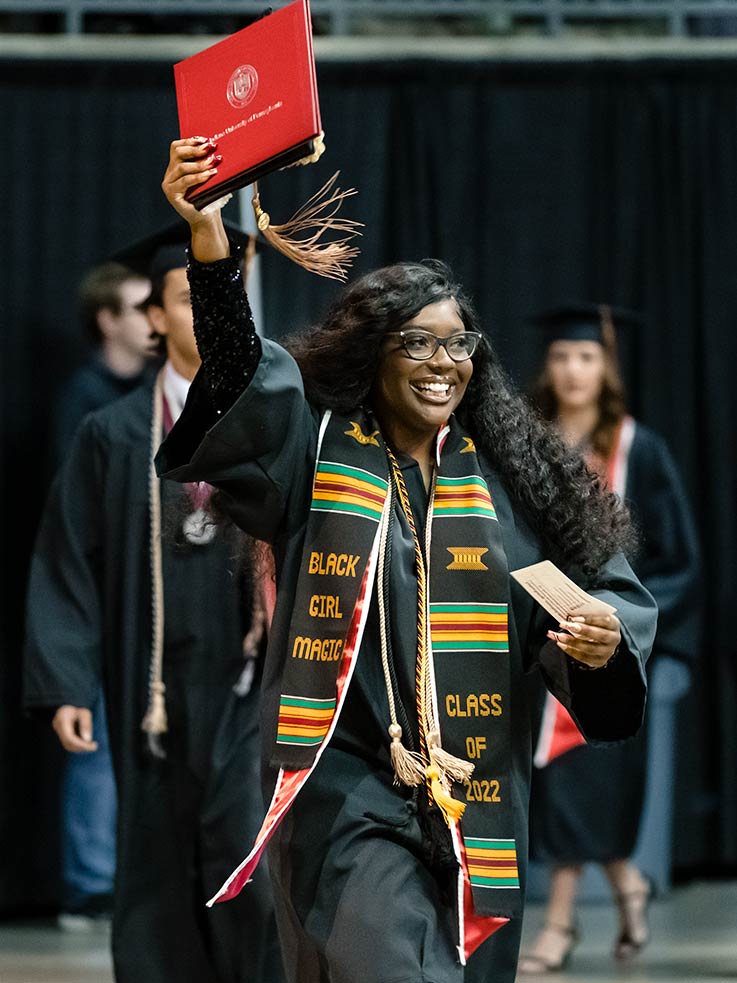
x: 433, y: 387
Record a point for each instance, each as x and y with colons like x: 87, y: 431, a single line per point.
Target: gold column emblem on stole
x: 467, y: 557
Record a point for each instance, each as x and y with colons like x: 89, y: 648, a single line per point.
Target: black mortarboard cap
x: 166, y: 249
x: 584, y: 322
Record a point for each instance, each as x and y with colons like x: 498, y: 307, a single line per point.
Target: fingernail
x: 200, y: 139
x: 217, y: 160
x: 579, y: 618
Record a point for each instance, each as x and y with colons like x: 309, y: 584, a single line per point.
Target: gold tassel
x: 451, y: 808
x: 299, y: 238
x: 408, y: 766
x: 155, y: 721
x: 455, y: 768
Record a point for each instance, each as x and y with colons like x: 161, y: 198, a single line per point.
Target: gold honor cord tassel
x: 442, y: 766
x: 299, y: 239
x: 451, y: 808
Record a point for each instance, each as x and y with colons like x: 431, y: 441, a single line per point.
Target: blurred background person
x: 111, y: 303
x: 112, y: 307
x: 586, y: 802
x: 131, y: 587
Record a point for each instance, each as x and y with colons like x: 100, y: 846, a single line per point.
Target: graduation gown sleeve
x: 668, y: 564
x: 260, y: 454
x: 607, y: 704
x: 64, y: 628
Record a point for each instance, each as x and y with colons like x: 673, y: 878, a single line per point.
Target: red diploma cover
x: 255, y: 95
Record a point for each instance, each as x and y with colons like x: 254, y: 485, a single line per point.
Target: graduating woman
x: 587, y: 801
x: 398, y: 479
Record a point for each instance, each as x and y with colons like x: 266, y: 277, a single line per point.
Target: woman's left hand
x: 591, y: 639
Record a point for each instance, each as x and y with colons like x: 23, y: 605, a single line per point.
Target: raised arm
x: 247, y: 427
x: 192, y: 162
x: 226, y: 336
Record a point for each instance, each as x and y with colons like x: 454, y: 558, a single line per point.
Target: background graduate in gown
x: 586, y: 802
x: 111, y: 302
x: 130, y: 586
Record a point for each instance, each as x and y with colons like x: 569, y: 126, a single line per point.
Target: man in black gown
x: 111, y: 298
x: 102, y: 584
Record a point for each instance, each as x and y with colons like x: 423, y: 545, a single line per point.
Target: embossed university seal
x: 242, y: 86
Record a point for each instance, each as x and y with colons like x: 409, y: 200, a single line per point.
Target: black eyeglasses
x: 421, y: 345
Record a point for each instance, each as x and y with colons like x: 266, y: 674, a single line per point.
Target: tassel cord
x: 402, y: 715
x: 293, y: 238
x: 408, y: 766
x: 441, y: 766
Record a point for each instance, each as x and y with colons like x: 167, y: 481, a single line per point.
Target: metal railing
x: 343, y: 17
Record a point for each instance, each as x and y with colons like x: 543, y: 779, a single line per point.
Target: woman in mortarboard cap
x: 587, y: 802
x: 398, y: 479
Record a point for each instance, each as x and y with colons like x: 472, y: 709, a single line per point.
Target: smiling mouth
x: 433, y: 392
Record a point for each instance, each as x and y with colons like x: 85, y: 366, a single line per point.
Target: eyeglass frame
x: 438, y: 343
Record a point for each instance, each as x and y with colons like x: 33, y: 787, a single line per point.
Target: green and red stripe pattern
x: 304, y: 721
x: 340, y: 488
x: 492, y: 863
x: 462, y: 497
x: 469, y: 627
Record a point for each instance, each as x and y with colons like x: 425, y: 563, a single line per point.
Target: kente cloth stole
x: 467, y: 629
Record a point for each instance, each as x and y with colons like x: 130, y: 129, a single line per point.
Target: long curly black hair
x: 579, y: 523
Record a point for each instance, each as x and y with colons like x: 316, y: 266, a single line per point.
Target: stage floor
x: 694, y: 938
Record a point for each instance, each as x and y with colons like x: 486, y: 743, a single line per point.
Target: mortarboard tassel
x: 607, y: 328
x: 299, y: 238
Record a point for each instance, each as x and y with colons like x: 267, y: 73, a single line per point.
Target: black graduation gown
x: 586, y: 804
x: 92, y: 386
x: 89, y: 619
x: 355, y: 898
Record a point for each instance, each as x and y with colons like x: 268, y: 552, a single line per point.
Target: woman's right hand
x: 192, y: 162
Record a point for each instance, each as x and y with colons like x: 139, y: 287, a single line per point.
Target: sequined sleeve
x: 226, y: 336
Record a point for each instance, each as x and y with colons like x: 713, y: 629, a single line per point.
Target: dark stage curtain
x: 537, y: 182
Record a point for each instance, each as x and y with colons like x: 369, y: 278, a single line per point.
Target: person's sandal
x: 634, y: 928
x: 537, y: 962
